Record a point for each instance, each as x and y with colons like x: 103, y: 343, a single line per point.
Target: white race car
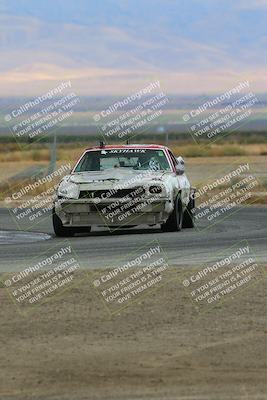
x: 121, y: 186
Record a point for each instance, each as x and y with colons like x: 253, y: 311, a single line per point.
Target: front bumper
x: 113, y: 212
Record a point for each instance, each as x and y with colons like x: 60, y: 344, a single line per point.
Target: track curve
x: 100, y: 248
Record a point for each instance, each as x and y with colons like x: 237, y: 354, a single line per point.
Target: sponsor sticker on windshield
x: 123, y: 151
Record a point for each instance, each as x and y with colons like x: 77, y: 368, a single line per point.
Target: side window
x: 89, y: 162
x: 174, y: 161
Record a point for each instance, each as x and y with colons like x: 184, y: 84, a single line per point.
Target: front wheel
x: 189, y: 220
x: 175, y: 221
x: 59, y: 229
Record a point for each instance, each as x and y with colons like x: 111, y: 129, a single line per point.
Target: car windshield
x: 138, y: 159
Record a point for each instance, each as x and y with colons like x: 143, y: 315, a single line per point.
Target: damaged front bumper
x: 113, y: 212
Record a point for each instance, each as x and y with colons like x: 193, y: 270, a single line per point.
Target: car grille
x: 112, y: 193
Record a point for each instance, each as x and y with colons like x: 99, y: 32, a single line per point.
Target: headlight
x: 68, y: 190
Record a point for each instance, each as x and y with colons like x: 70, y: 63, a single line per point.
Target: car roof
x: 128, y: 146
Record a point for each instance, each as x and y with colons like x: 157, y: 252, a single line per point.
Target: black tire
x: 188, y: 219
x: 175, y: 221
x: 59, y: 229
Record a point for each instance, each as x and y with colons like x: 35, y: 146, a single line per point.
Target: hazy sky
x: 116, y: 46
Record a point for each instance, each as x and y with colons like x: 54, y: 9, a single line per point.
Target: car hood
x: 116, y: 175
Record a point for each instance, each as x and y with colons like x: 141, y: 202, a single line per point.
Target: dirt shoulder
x: 161, y: 347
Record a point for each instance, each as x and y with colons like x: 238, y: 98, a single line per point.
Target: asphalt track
x: 101, y: 248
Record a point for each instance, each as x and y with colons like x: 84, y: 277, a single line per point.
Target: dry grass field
x: 200, y: 163
x: 9, y: 152
x: 160, y: 347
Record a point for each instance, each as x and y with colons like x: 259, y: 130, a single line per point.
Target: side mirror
x: 180, y: 167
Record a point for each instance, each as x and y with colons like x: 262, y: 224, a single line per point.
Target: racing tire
x: 175, y: 221
x: 188, y: 218
x: 59, y: 229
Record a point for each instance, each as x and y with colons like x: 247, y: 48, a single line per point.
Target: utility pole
x: 53, y: 155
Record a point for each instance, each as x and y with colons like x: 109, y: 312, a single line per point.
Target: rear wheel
x: 175, y: 221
